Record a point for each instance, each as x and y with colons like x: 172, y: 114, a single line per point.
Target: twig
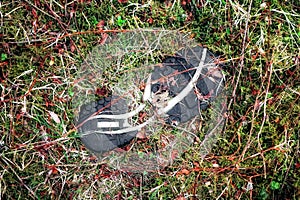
x: 265, y: 116
x: 241, y: 67
x: 242, y: 58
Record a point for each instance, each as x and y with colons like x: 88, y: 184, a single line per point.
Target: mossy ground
x: 42, y: 43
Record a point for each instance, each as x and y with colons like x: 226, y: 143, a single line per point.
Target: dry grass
x: 42, y: 44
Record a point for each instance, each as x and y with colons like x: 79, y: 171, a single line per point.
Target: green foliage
x: 274, y: 185
x: 263, y: 195
x: 3, y: 56
x: 120, y: 21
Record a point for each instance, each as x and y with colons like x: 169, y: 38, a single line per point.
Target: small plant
x: 3, y: 56
x: 120, y: 21
x: 274, y: 185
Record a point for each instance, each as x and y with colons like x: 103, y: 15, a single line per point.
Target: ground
x: 42, y: 43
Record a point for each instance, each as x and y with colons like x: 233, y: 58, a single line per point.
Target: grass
x: 42, y: 44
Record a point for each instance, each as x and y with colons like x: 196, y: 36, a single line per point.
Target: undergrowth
x: 43, y: 43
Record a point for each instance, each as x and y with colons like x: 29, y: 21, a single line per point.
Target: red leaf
x: 255, y: 92
x: 101, y: 91
x: 150, y: 20
x: 142, y: 116
x: 34, y: 13
x: 53, y: 169
x: 183, y: 172
x: 183, y: 2
x: 100, y: 24
x: 37, y: 3
x: 72, y: 47
x: 103, y: 38
x: 180, y: 197
x: 3, y: 63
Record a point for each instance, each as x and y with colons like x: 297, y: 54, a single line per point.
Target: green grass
x: 41, y: 49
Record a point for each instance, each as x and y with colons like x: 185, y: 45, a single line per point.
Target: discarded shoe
x: 178, y: 90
